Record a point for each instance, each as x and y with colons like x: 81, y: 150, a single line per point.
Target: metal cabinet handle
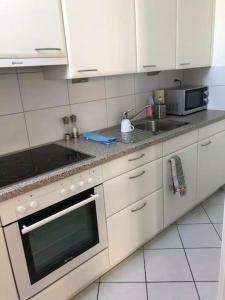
x: 62, y: 213
x: 206, y: 144
x: 87, y: 70
x: 137, y: 158
x: 150, y: 66
x: 48, y: 49
x: 185, y: 64
x: 139, y: 175
x: 17, y: 62
x: 135, y: 210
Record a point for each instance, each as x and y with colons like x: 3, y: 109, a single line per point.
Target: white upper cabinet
x: 156, y: 34
x: 31, y: 29
x: 194, y: 33
x: 100, y: 37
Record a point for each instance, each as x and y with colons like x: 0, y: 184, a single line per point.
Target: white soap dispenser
x: 126, y: 125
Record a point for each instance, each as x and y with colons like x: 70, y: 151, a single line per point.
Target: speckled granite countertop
x: 105, y: 153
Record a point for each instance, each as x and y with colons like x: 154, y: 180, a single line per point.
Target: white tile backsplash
x: 91, y: 115
x: 213, y: 77
x: 10, y: 101
x: 42, y: 103
x: 217, y: 97
x: 166, y: 79
x: 92, y: 90
x: 38, y: 93
x: 117, y: 86
x: 193, y: 77
x: 116, y: 107
x: 145, y: 83
x: 13, y: 135
x: 46, y: 125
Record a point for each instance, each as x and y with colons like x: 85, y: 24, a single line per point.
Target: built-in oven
x: 46, y: 245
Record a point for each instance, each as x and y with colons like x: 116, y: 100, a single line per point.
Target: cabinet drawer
x: 180, y: 142
x: 212, y: 129
x: 131, y: 161
x: 134, y: 226
x: 130, y: 187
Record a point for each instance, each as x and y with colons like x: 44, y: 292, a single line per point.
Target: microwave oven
x: 186, y: 100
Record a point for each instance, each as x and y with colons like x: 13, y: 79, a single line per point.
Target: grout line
x: 211, y: 223
x: 146, y: 285
x: 189, y: 264
x: 141, y: 282
x: 192, y: 224
x: 24, y: 115
x: 98, y: 290
x: 106, y: 104
x: 182, y: 248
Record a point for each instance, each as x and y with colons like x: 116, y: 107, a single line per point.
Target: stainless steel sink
x: 157, y: 126
x: 144, y: 129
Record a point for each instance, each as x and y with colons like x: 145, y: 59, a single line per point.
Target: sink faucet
x: 138, y: 113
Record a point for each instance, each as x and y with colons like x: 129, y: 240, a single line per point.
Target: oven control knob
x: 81, y: 183
x: 72, y: 187
x: 21, y: 209
x: 62, y: 192
x: 90, y: 180
x: 33, y: 204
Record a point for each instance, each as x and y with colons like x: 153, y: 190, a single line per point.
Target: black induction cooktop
x: 29, y: 163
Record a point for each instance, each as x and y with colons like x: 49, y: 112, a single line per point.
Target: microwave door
x: 194, y: 100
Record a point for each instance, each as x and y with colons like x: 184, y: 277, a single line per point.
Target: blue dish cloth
x: 98, y: 138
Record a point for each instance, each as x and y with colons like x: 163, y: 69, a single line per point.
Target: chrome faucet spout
x: 138, y: 113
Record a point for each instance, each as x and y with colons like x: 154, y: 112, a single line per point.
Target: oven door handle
x: 34, y: 226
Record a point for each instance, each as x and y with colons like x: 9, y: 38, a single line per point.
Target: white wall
x: 31, y: 108
x: 219, y: 34
x: 213, y: 77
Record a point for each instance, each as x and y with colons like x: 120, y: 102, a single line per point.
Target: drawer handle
x: 17, y: 62
x: 88, y: 70
x: 150, y: 66
x: 136, y: 158
x: 139, y: 175
x: 206, y: 144
x: 48, y: 49
x: 185, y: 64
x: 135, y: 210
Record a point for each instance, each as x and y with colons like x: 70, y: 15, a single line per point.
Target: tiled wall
x: 31, y: 108
x: 213, y: 77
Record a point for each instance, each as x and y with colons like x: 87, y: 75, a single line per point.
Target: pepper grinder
x: 66, y: 121
x: 75, y: 133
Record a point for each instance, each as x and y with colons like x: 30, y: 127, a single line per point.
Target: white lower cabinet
x: 132, y: 186
x: 7, y: 283
x: 211, y: 165
x: 174, y: 206
x: 75, y: 281
x: 133, y: 226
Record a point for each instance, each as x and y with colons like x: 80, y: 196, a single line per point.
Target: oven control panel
x: 29, y: 203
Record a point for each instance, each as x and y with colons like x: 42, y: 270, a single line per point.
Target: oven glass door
x: 194, y: 99
x: 67, y: 230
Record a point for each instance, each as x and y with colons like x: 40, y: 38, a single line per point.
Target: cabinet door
x: 174, y: 206
x: 100, y: 36
x: 134, y: 226
x: 7, y: 283
x: 195, y: 23
x: 211, y: 165
x: 156, y: 34
x: 31, y: 29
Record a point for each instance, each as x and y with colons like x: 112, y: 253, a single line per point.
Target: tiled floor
x: 182, y: 263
